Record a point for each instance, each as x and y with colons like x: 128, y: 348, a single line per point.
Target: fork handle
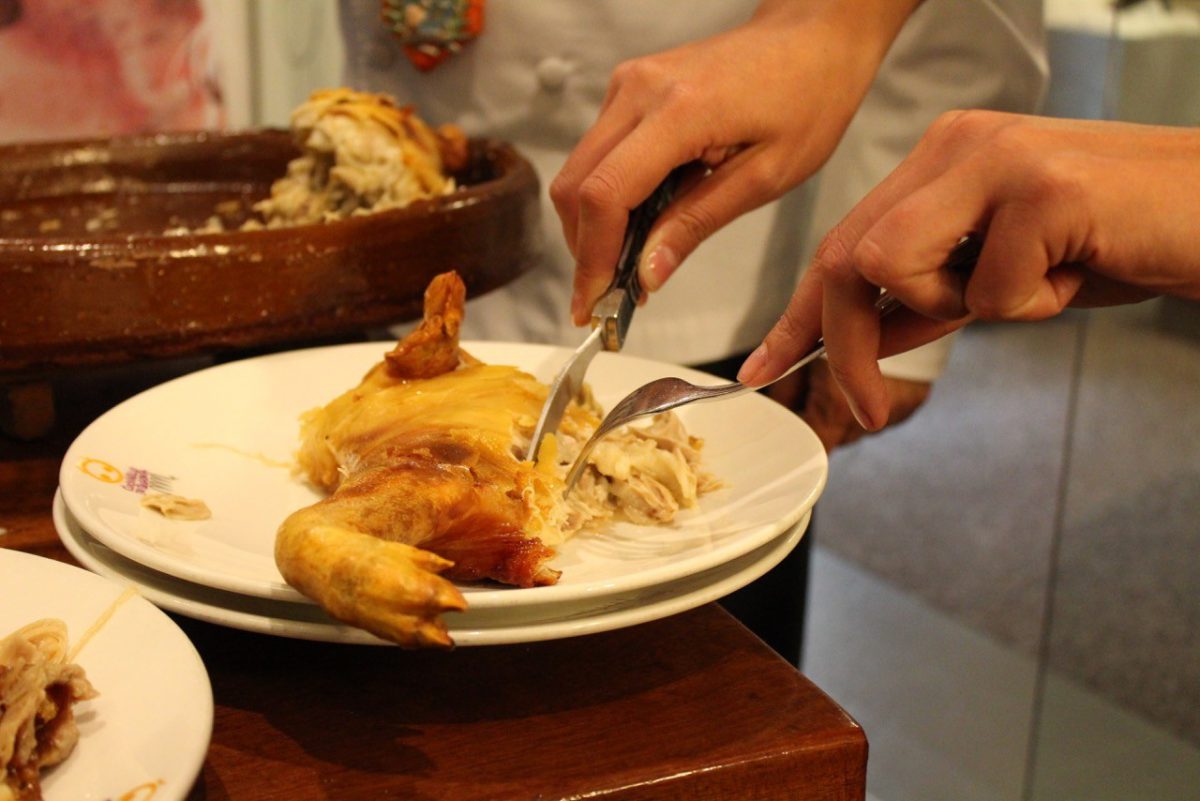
x: 885, y: 305
x: 961, y: 262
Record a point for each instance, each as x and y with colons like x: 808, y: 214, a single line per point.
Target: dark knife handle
x: 641, y: 220
x: 614, y: 311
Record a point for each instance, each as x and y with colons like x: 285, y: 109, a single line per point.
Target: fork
x: 664, y: 394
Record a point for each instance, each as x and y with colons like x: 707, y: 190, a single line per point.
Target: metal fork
x: 664, y: 394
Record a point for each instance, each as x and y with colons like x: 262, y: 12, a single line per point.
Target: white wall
x: 272, y: 54
x: 1141, y: 65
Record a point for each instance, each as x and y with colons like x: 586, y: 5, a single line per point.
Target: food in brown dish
x: 424, y: 462
x: 39, y: 686
x: 361, y: 153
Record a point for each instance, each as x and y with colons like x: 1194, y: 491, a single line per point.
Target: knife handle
x: 641, y: 220
x: 614, y: 310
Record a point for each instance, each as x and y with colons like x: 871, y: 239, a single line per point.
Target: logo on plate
x: 134, y: 479
x: 101, y: 471
x: 143, y: 792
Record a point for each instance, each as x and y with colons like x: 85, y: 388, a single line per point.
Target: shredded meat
x: 362, y: 153
x: 38, y: 689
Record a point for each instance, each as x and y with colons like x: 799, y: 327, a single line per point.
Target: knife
x: 611, y: 315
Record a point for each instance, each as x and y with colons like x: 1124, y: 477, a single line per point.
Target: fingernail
x: 753, y: 366
x: 859, y: 414
x: 577, y: 315
x: 657, y: 267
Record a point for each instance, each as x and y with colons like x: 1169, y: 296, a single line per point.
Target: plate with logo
x: 226, y: 436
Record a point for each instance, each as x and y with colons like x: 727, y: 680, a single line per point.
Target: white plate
x: 227, y: 434
x: 153, y: 718
x: 485, y: 627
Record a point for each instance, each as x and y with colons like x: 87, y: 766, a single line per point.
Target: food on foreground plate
x: 423, y: 459
x: 176, y: 507
x: 362, y: 153
x: 39, y: 686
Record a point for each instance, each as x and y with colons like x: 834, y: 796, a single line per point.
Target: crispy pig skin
x: 425, y: 486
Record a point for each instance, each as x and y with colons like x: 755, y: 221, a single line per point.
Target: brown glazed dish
x: 87, y: 276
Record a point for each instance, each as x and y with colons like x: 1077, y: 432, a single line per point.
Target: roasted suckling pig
x: 424, y: 463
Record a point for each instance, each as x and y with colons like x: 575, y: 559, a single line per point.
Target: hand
x: 762, y: 105
x: 814, y: 395
x: 1074, y: 214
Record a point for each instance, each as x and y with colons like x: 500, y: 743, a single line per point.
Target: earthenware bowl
x: 88, y: 275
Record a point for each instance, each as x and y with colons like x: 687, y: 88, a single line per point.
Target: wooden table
x: 690, y: 707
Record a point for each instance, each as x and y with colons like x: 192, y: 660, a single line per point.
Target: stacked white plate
x: 226, y: 435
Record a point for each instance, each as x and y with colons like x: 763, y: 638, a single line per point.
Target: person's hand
x: 813, y: 394
x: 1073, y: 214
x: 763, y: 105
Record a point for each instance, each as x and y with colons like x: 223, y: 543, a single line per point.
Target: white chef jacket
x: 536, y: 77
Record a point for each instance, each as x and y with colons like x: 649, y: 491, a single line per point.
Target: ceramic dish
x: 497, y: 626
x: 225, y: 435
x: 90, y: 278
x: 150, y: 726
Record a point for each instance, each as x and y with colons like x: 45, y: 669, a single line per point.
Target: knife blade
x: 611, y: 315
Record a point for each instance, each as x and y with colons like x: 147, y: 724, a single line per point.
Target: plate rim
x: 335, y: 632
